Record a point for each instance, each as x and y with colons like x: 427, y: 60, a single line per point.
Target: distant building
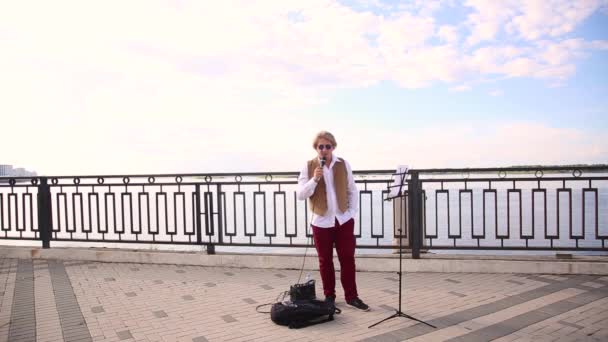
x: 7, y: 170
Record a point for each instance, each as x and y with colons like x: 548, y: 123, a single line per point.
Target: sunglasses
x: 326, y: 146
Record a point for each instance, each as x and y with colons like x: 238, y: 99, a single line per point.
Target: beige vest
x: 318, y: 200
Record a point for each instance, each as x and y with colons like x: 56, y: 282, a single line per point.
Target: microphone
x: 322, y: 161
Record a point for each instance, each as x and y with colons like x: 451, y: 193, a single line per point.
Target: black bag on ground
x: 304, y: 291
x: 302, y: 313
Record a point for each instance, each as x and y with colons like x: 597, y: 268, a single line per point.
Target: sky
x: 124, y: 87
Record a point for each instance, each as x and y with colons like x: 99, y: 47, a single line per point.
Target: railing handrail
x: 602, y: 167
x: 216, y: 174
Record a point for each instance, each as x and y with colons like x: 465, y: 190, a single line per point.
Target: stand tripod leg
x: 401, y: 314
x: 386, y: 319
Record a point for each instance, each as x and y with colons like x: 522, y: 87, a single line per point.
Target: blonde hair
x: 324, y: 135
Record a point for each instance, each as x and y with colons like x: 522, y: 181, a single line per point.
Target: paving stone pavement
x: 85, y: 301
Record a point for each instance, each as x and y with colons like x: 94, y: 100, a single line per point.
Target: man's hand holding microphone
x: 319, y: 171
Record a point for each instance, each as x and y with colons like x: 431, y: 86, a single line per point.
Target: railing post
x: 197, y: 210
x: 199, y: 223
x: 220, y: 222
x: 45, y: 212
x: 415, y: 213
x: 210, y: 225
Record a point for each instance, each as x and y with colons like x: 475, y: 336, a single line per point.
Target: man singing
x: 327, y: 181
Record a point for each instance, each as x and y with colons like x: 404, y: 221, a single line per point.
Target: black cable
x: 257, y: 308
x: 285, y: 293
x: 306, y: 250
x: 312, y: 212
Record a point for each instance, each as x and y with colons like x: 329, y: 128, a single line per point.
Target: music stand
x: 400, y: 179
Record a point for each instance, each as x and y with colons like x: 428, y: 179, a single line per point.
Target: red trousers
x: 344, y: 239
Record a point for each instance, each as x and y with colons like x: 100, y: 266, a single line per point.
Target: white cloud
x: 598, y: 44
x: 527, y: 19
x: 496, y: 92
x: 119, y: 84
x: 460, y: 88
x: 536, y: 27
x: 520, y: 67
x: 490, y: 60
x: 562, y: 52
x: 328, y: 45
x: 554, y: 61
x: 396, y: 34
x: 551, y: 18
x: 487, y: 18
x: 448, y: 34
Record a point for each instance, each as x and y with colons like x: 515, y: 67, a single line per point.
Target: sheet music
x: 399, y: 182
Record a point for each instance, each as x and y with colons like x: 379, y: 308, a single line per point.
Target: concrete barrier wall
x: 385, y: 263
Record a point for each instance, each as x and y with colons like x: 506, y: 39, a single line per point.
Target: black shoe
x: 330, y: 299
x: 358, y: 303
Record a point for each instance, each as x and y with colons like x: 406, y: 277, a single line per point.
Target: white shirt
x: 306, y: 187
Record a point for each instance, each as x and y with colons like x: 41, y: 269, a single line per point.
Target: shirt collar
x: 334, y: 159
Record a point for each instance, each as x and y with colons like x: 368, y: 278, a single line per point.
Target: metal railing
x: 541, y: 208
x: 246, y: 209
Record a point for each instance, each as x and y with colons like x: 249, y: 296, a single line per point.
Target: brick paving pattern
x: 78, y: 301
